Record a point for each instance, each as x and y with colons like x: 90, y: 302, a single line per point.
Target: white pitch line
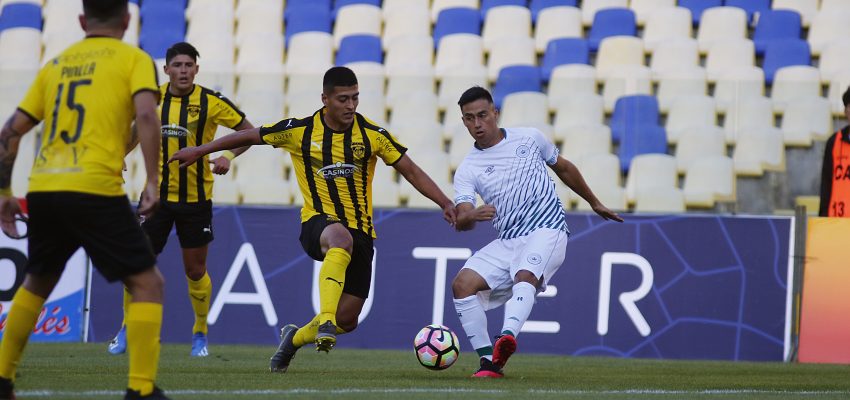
x: 273, y: 392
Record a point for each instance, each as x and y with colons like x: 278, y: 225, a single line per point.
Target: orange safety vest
x: 839, y: 199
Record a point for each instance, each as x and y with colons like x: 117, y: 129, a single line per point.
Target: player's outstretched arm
x: 221, y: 164
x: 188, y: 155
x: 148, y: 131
x: 570, y: 175
x: 423, y: 183
x: 468, y: 215
x: 10, y: 137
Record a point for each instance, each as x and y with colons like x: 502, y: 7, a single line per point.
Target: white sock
x: 474, y: 321
x: 518, y: 307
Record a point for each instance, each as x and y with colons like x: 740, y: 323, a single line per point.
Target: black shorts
x: 193, y: 220
x: 358, y: 275
x: 105, y: 226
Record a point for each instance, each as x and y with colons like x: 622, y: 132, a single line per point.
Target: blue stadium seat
x: 516, y: 78
x: 637, y: 139
x: 159, y: 6
x: 750, y: 6
x: 156, y: 41
x: 486, y: 5
x: 162, y: 25
x: 774, y: 25
x: 536, y: 5
x: 609, y: 22
x: 564, y: 51
x: 698, y: 6
x: 356, y: 48
x: 307, y: 9
x: 456, y: 20
x: 633, y: 110
x: 20, y: 15
x: 782, y: 53
x: 342, y: 3
x: 307, y: 19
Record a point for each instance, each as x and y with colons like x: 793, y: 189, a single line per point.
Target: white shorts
x: 541, y: 252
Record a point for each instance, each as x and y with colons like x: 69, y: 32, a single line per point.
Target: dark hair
x: 846, y: 97
x: 104, y: 10
x: 183, y: 48
x: 338, y: 76
x: 474, y: 93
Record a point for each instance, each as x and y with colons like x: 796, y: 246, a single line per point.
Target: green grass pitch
x: 86, y: 371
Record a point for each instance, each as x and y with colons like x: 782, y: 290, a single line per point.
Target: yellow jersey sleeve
x: 387, y: 146
x: 143, y: 75
x: 285, y: 133
x: 33, y: 103
x: 224, y: 112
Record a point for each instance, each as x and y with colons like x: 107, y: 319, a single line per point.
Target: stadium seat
x: 437, y: 6
x: 258, y: 16
x: 425, y: 135
x: 610, y: 22
x: 805, y: 119
x: 699, y: 141
x: 510, y: 51
x: 406, y: 21
x: 357, y: 48
x: 728, y: 55
x: 260, y: 162
x: 697, y: 7
x: 131, y: 35
x: 313, y: 50
x: 708, y: 180
x: 806, y: 8
x: 784, y: 53
x: 639, y: 139
x: 384, y: 186
x: 564, y: 51
x: 392, y: 6
x: 400, y: 85
x: 602, y: 174
x: 162, y: 25
x: 751, y: 113
x: 516, y: 78
x: 794, y: 82
x: 634, y: 110
x: 309, y: 19
x: 226, y: 191
x: 437, y: 165
x: 453, y: 85
x: 297, y: 8
x: 828, y: 27
x: 721, y: 23
x: 459, y: 53
x: 673, y: 55
x: 556, y: 23
x: 487, y: 5
x: 416, y: 107
x: 505, y: 22
x: 526, y: 109
x: 357, y: 19
x: 618, y: 51
x: 580, y: 109
x: 567, y: 80
x: 644, y: 8
x: 537, y: 6
x: 264, y: 107
x: 265, y: 191
x: 776, y: 24
x: 589, y: 8
x: 667, y: 24
x: 682, y: 83
x: 20, y: 15
x: 370, y: 78
x: 650, y: 171
x: 754, y: 8
x: 839, y: 83
x: 452, y: 21
x: 581, y: 140
x: 626, y: 80
x: 653, y: 199
x: 410, y: 54
x: 260, y: 53
x: 20, y: 49
x: 688, y: 112
x: 833, y: 59
x: 339, y: 4
x: 738, y: 83
x: 759, y: 150
x: 561, y: 190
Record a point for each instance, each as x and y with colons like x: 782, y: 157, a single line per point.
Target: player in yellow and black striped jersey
x: 87, y: 97
x: 190, y: 115
x: 334, y: 153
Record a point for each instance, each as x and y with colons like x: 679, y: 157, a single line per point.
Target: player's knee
x: 195, y: 271
x: 461, y: 289
x: 346, y: 322
x: 525, y: 276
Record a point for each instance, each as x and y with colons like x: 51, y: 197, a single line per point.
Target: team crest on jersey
x: 193, y: 110
x: 359, y: 150
x: 522, y: 151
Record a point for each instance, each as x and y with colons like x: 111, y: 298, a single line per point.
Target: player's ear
x: 324, y: 99
x: 83, y: 23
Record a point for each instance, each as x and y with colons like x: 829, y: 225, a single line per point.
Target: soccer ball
x: 436, y: 347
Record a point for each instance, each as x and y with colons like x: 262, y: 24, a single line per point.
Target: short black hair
x: 474, y: 93
x: 183, y: 48
x: 846, y: 97
x: 338, y: 76
x: 104, y: 10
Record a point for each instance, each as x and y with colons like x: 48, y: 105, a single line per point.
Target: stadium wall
x: 673, y: 287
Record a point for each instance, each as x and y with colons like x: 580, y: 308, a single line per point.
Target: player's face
x: 482, y: 121
x: 341, y: 103
x: 181, y: 73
